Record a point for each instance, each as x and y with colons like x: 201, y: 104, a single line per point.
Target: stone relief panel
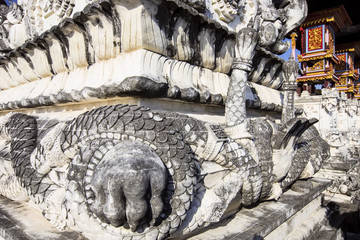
x: 338, y: 117
x: 351, y: 185
x: 126, y: 171
x: 272, y: 20
x: 181, y: 53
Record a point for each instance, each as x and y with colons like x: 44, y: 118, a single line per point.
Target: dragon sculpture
x: 154, y: 173
x: 127, y: 172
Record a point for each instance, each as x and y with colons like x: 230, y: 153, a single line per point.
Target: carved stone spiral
x: 87, y: 138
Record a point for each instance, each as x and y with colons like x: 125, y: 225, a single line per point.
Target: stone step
x: 339, y: 165
x: 330, y: 231
x: 271, y: 220
x: 303, y: 230
x: 20, y: 221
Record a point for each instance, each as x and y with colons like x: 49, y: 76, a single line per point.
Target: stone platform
x: 19, y: 221
x: 297, y: 213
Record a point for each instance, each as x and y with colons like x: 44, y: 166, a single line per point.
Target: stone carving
x: 15, y: 14
x: 235, y: 103
x: 151, y: 172
x: 33, y: 17
x: 4, y: 32
x: 125, y: 171
x: 290, y: 71
x: 339, y: 124
x: 15, y: 28
x: 70, y: 52
x: 330, y: 99
x: 226, y: 10
x: 351, y: 185
x: 273, y: 21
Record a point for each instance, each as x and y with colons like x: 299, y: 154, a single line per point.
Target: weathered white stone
x: 130, y: 52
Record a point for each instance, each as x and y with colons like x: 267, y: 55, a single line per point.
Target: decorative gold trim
x: 318, y: 21
x: 346, y: 88
x: 305, y: 59
x: 315, y: 38
x: 312, y: 79
x: 345, y: 74
x: 345, y: 50
x: 315, y: 73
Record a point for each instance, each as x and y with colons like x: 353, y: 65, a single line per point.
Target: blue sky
x: 9, y: 1
x: 286, y: 55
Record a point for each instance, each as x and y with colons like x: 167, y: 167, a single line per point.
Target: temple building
x: 328, y: 89
x: 345, y: 71
x: 327, y: 62
x: 357, y: 82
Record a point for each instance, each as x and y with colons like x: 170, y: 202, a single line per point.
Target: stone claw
x: 127, y: 183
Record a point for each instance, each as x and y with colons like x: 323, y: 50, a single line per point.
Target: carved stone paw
x: 128, y: 185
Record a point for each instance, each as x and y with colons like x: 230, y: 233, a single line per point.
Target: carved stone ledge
x: 72, y: 57
x: 255, y: 222
x: 132, y: 74
x: 14, y: 224
x: 163, y: 36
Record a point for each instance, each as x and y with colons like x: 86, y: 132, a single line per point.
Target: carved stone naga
x: 150, y: 172
x: 127, y: 172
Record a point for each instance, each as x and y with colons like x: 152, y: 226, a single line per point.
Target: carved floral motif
x: 342, y: 66
x: 315, y: 38
x: 318, y: 66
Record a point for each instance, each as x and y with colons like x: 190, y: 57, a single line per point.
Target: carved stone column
x: 235, y: 106
x: 290, y: 71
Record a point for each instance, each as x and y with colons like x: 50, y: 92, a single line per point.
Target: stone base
x: 338, y: 164
x: 350, y: 215
x: 331, y: 231
x: 19, y: 221
x: 205, y: 112
x: 298, y: 213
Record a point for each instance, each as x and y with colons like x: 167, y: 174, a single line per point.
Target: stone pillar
x: 349, y: 95
x: 310, y: 88
x: 298, y: 90
x: 290, y: 71
x: 327, y: 84
x: 305, y: 92
x: 235, y: 106
x: 304, y: 87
